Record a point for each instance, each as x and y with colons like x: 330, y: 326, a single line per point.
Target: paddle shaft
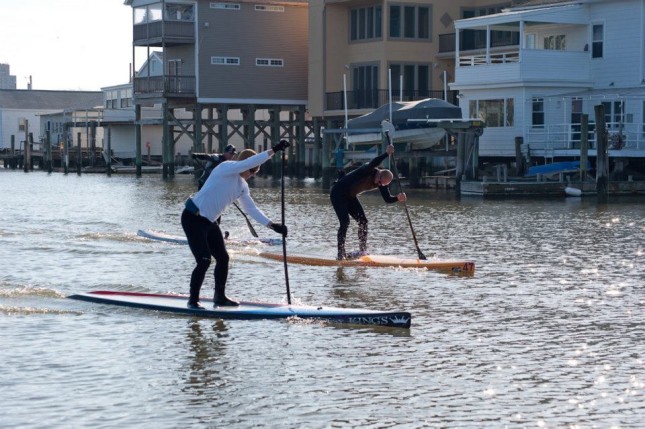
x: 407, y: 213
x: 284, y: 238
x: 248, y: 222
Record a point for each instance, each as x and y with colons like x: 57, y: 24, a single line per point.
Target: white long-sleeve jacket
x: 225, y: 185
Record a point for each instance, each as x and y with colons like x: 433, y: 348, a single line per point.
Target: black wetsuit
x: 344, y: 199
x: 213, y: 161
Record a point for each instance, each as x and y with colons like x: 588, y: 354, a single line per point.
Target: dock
x: 517, y: 187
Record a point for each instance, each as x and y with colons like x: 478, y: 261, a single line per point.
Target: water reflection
x: 207, y: 357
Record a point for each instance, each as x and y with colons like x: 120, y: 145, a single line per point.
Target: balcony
x: 372, y: 99
x: 474, y: 40
x: 524, y: 65
x: 166, y: 32
x: 164, y: 86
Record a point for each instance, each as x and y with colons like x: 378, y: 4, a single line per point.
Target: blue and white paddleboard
x: 161, y: 236
x: 248, y: 310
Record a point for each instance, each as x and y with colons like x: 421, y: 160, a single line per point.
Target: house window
x: 180, y: 12
x: 410, y: 22
x: 476, y: 39
x: 530, y: 41
x: 125, y: 96
x: 416, y: 80
x: 225, y: 61
x: 268, y: 8
x: 613, y: 114
x: 229, y: 6
x: 365, y: 87
x: 365, y: 23
x: 557, y: 43
x: 597, y: 38
x: 145, y: 14
x: 538, y: 113
x: 495, y: 113
x: 269, y: 62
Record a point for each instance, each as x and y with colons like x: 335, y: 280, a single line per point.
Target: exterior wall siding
x: 248, y: 34
x: 9, y: 125
x: 622, y: 61
x: 184, y: 53
x: 331, y: 48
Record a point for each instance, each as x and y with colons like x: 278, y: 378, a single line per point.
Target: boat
x: 572, y: 191
x: 186, y: 169
x: 247, y: 310
x: 415, y: 122
x: 463, y: 267
x: 555, y: 168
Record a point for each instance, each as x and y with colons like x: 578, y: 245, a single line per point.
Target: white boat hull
x: 418, y: 138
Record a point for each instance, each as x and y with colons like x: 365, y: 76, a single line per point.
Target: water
x: 548, y: 333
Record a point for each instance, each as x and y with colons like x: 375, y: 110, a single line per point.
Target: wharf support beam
x: 211, y: 127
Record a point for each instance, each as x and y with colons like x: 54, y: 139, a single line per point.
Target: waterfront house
x: 220, y: 57
x: 22, y: 112
x: 362, y: 53
x: 569, y: 56
x: 118, y: 114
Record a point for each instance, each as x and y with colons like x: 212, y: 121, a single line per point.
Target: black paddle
x: 396, y: 176
x: 248, y: 222
x: 284, y: 239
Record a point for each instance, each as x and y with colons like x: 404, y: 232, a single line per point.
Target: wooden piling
x: 27, y: 151
x: 48, y: 150
x: 79, y: 155
x: 602, y: 157
x: 13, y: 152
x: 519, y: 159
x: 108, y: 162
x: 460, y: 164
x: 584, y: 146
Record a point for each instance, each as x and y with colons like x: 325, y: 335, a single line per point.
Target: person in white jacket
x: 225, y: 185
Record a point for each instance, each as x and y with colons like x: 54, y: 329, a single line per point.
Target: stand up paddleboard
x: 248, y: 310
x: 452, y: 266
x: 160, y: 236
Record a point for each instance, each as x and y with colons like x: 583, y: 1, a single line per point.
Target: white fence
x: 568, y: 136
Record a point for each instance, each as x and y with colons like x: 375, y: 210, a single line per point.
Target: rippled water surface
x: 549, y: 332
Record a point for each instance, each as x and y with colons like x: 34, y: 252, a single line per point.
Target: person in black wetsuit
x: 344, y: 199
x: 212, y: 161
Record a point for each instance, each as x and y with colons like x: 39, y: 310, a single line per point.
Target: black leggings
x: 346, y: 206
x: 205, y: 240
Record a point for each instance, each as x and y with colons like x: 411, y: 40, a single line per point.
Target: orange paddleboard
x: 452, y: 266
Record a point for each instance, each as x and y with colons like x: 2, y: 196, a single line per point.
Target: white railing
x: 494, y: 58
x: 568, y: 136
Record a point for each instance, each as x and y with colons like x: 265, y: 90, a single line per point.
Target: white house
x: 25, y: 111
x: 571, y: 56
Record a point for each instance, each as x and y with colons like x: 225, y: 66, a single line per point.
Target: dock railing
x: 568, y: 136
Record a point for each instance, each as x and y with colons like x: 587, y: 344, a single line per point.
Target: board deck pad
x: 248, y: 310
x: 451, y: 266
x: 161, y: 236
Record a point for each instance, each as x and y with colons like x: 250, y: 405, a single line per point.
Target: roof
x: 606, y: 93
x: 45, y: 100
x: 532, y: 3
x: 560, y: 13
